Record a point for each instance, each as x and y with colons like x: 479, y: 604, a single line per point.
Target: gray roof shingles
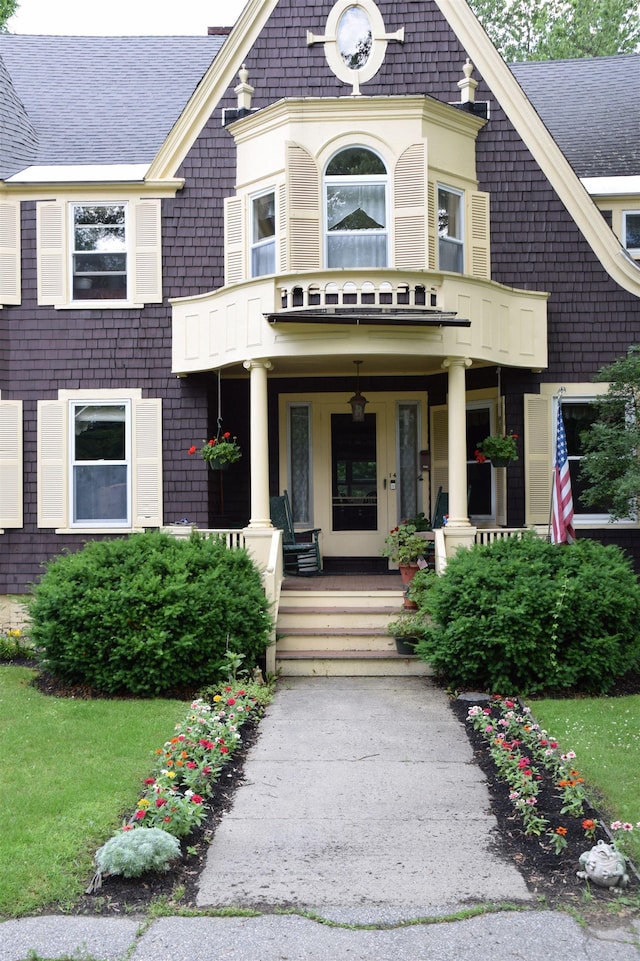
x: 101, y: 100
x: 591, y: 109
x: 104, y: 100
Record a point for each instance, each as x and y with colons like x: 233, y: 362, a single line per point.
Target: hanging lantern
x: 358, y: 402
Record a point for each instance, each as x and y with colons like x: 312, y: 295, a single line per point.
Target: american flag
x: 562, y: 531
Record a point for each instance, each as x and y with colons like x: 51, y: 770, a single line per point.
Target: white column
x: 457, y: 421
x: 259, y: 435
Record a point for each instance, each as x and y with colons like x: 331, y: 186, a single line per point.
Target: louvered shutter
x: 52, y: 260
x: 52, y: 463
x: 538, y: 456
x: 147, y: 252
x: 432, y: 227
x: 147, y: 462
x: 439, y: 451
x: 479, y: 253
x: 11, y: 484
x: 9, y: 252
x: 410, y: 209
x: 234, y: 242
x: 304, y: 240
x: 282, y: 243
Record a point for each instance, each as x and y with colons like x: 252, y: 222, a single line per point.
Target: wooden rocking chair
x: 301, y: 548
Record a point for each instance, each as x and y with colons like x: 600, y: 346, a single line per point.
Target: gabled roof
x: 591, y: 108
x: 98, y: 100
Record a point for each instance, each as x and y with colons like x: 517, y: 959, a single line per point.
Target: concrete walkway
x: 361, y: 804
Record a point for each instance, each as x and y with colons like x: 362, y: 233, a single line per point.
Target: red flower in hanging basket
x: 219, y: 450
x: 498, y: 446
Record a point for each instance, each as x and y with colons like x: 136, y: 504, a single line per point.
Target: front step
x: 341, y: 633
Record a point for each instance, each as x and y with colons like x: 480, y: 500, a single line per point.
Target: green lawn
x: 605, y: 734
x: 70, y: 770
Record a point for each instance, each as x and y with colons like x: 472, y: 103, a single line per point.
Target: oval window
x: 354, y: 37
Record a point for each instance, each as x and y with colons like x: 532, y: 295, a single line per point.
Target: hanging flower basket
x: 500, y: 449
x: 219, y: 452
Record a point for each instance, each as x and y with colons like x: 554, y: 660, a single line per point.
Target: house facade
x: 334, y: 202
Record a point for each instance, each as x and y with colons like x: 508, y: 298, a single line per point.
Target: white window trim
x: 71, y: 409
x: 633, y: 251
x: 490, y: 405
x: 364, y: 180
x: 288, y: 407
x: 114, y: 302
x: 55, y: 245
x: 145, y: 462
x: 581, y: 393
x: 460, y: 241
x: 268, y: 241
x: 379, y: 41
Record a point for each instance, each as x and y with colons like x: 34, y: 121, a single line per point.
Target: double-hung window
x: 631, y: 227
x: 100, y: 461
x: 100, y: 464
x: 99, y: 262
x: 578, y: 416
x: 94, y: 253
x: 356, y: 209
x: 263, y: 234
x: 450, y: 230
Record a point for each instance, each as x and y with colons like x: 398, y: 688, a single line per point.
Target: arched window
x: 356, y: 209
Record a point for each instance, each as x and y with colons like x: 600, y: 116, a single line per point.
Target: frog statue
x: 605, y: 866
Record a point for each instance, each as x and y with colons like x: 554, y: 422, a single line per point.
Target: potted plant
x: 500, y: 449
x: 406, y: 546
x: 219, y: 452
x: 406, y: 631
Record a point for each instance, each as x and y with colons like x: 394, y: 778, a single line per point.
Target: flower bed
x: 176, y: 793
x: 545, y: 815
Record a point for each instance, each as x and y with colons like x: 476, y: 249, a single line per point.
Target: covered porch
x: 293, y: 334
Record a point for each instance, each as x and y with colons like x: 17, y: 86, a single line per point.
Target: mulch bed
x: 550, y: 877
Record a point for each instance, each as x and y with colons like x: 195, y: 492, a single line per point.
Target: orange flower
x: 561, y: 831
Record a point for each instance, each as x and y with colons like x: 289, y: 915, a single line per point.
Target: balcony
x: 391, y: 313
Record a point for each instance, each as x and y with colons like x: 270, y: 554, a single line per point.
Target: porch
x: 334, y: 624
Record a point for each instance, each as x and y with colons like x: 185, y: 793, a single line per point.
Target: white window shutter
x: 147, y: 252
x: 234, y: 241
x: 432, y: 226
x: 11, y: 470
x: 283, y: 246
x: 479, y: 239
x: 303, y: 203
x: 538, y: 458
x: 52, y: 258
x: 53, y: 464
x: 439, y: 451
x: 410, y: 209
x: 10, y: 252
x: 147, y: 462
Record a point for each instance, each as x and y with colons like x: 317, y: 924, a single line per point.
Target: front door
x: 354, y: 480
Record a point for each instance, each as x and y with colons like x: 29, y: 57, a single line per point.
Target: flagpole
x: 558, y: 397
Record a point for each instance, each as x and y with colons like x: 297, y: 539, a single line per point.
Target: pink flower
x: 196, y: 799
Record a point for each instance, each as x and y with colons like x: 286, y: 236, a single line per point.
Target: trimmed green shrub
x: 149, y: 614
x: 521, y: 616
